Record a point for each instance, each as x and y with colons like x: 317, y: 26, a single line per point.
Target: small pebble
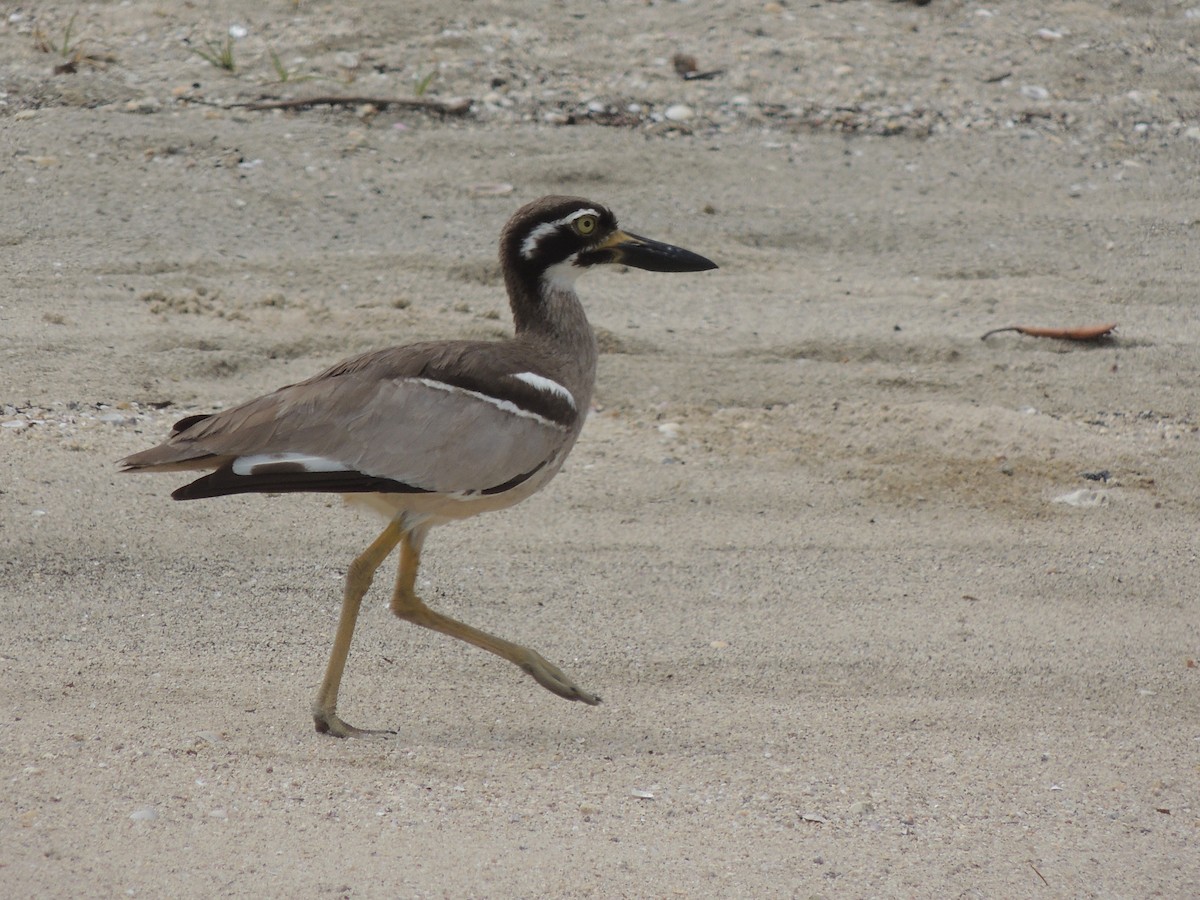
x: 1084, y: 498
x: 684, y: 64
x: 679, y: 112
x: 144, y: 814
x: 498, y: 189
x: 1034, y: 92
x: 346, y: 60
x: 144, y: 105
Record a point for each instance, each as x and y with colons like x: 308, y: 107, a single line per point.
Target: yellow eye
x: 585, y: 225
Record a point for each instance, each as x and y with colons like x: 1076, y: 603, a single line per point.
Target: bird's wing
x: 446, y: 418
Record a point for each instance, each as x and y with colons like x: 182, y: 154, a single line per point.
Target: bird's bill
x: 654, y: 256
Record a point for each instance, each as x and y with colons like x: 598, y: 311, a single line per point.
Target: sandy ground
x: 808, y: 549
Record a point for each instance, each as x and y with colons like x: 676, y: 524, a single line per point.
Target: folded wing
x: 380, y: 422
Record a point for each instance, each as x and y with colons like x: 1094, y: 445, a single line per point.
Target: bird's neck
x: 548, y: 312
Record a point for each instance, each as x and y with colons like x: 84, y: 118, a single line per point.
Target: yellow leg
x: 408, y: 606
x: 358, y: 580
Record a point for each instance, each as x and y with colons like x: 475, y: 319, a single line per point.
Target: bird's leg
x: 358, y: 580
x: 408, y: 606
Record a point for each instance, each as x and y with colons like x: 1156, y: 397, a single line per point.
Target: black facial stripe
x: 595, y: 257
x: 555, y: 246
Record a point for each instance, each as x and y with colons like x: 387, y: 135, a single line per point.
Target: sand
x: 811, y: 548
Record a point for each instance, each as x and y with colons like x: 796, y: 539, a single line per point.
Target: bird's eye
x: 585, y: 225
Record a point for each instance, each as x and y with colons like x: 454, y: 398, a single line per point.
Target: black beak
x: 644, y: 253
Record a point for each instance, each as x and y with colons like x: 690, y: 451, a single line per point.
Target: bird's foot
x: 330, y: 723
x: 553, y: 679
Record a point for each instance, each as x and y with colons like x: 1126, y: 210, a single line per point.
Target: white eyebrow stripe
x: 245, y: 465
x: 505, y: 405
x: 546, y: 384
x: 568, y: 219
x: 529, y: 245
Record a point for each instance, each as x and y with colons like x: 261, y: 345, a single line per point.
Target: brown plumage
x: 432, y: 432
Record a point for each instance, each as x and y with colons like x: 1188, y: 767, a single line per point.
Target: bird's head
x: 548, y: 243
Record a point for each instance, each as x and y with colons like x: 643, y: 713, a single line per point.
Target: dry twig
x: 459, y: 106
x: 1039, y: 874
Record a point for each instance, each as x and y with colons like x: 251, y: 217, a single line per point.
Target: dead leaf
x: 1086, y: 333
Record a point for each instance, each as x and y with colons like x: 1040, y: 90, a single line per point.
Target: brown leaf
x: 1085, y: 333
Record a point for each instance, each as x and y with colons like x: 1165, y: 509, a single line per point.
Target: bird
x: 429, y: 433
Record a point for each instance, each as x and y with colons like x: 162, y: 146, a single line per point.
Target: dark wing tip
x: 288, y: 478
x: 187, y: 422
